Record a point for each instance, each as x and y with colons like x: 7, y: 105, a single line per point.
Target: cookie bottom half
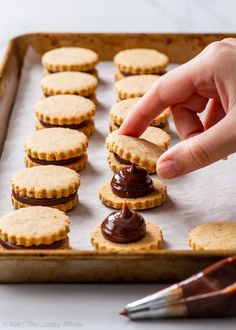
x: 153, y: 240
x: 157, y: 197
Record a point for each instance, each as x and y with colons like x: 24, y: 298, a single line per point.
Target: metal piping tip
x: 124, y: 312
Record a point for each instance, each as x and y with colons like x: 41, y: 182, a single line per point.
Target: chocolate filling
x: 126, y: 74
x: 72, y: 126
x: 121, y: 160
x: 93, y: 71
x: 61, y: 162
x: 132, y: 182
x: 90, y: 97
x: 43, y: 201
x: 10, y: 246
x: 124, y: 226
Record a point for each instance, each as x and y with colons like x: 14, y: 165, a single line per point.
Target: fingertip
x: 168, y: 169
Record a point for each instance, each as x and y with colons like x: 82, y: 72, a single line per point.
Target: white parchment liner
x: 206, y: 195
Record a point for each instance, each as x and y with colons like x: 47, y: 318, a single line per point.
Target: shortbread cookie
x: 50, y: 185
x: 153, y: 199
x: 56, y: 146
x: 140, y: 61
x: 153, y: 240
x: 120, y: 110
x: 70, y: 59
x: 134, y: 86
x: 136, y: 150
x: 35, y: 228
x: 68, y: 111
x: 213, y: 236
x: 156, y: 136
x: 75, y: 83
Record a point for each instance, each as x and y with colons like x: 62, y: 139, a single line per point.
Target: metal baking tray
x: 90, y: 266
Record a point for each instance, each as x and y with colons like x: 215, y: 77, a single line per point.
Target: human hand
x: 206, y: 83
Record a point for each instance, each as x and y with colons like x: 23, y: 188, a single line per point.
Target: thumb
x: 199, y: 151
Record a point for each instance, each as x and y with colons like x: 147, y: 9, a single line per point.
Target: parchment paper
x: 203, y: 196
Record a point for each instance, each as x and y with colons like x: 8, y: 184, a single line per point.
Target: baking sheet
x: 199, y: 197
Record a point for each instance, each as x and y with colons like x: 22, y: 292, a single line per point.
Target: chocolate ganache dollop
x: 132, y: 182
x: 124, y: 226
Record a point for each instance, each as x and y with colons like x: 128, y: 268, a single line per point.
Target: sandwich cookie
x: 133, y: 186
x: 72, y: 83
x: 50, y: 185
x: 67, y: 111
x: 126, y: 231
x: 139, y: 61
x: 70, y: 59
x: 143, y: 151
x: 34, y: 228
x: 120, y: 110
x: 213, y: 236
x: 57, y: 146
x: 134, y: 86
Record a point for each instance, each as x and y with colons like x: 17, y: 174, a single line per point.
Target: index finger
x: 174, y: 87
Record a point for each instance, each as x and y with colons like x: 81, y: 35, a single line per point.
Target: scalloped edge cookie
x: 153, y: 240
x: 157, y: 197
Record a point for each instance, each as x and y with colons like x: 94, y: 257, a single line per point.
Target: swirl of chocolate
x: 124, y: 226
x: 132, y: 182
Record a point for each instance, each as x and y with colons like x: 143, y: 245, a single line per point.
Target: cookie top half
x: 34, y: 226
x: 78, y: 83
x: 141, y: 61
x: 56, y: 144
x: 136, y: 150
x: 49, y: 181
x: 64, y: 109
x: 70, y: 59
x: 134, y: 86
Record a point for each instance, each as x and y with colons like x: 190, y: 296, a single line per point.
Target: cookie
x: 73, y: 83
x: 155, y: 198
x: 50, y: 185
x: 152, y: 240
x: 137, y: 150
x: 56, y: 146
x: 138, y: 61
x: 68, y: 111
x: 213, y: 236
x: 120, y: 110
x: 35, y: 228
x: 134, y: 86
x: 70, y: 59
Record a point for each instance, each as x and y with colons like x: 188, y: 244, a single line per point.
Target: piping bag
x: 211, y: 292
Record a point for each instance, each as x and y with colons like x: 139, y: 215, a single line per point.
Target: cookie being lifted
x: 126, y: 231
x: 143, y: 151
x: 134, y: 187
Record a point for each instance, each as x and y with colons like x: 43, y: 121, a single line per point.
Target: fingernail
x: 168, y: 169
